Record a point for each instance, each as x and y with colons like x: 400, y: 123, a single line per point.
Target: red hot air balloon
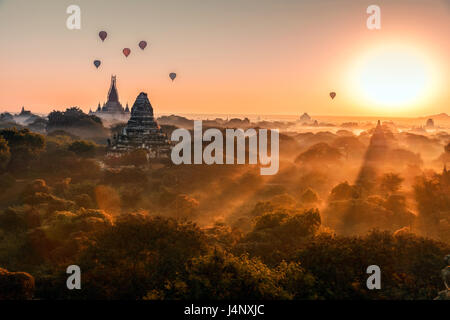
x: 126, y: 52
x: 142, y: 44
x: 332, y: 95
x: 97, y: 63
x: 102, y: 35
x: 172, y: 75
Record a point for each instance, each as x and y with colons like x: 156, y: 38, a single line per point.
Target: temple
x: 141, y: 132
x: 112, y: 110
x: 305, y: 117
x: 376, y: 155
x: 24, y: 113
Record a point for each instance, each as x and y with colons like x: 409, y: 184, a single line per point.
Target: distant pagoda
x: 376, y: 155
x: 24, y: 113
x: 305, y: 117
x: 142, y: 132
x: 112, y: 109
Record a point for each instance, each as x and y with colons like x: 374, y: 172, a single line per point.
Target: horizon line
x: 268, y: 115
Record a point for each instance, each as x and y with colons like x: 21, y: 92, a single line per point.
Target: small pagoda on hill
x: 141, y: 132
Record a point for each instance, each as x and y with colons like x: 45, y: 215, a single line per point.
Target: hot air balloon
x: 142, y: 44
x: 332, y: 95
x: 172, y: 75
x: 97, y: 63
x: 102, y: 35
x: 126, y: 52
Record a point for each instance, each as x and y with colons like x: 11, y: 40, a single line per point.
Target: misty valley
x: 348, y: 194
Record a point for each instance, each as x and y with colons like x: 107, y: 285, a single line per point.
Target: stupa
x: 112, y: 110
x: 305, y: 117
x: 142, y: 132
x: 375, y: 156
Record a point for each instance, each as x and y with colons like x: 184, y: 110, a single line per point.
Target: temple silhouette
x: 376, y: 154
x: 112, y: 110
x: 141, y: 132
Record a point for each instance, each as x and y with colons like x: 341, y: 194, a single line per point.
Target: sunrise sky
x: 235, y: 57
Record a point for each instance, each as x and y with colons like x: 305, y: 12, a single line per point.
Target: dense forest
x: 153, y: 230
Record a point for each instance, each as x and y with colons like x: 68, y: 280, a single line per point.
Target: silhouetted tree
x: 16, y: 285
x: 390, y: 183
x: 83, y: 148
x: 432, y: 195
x: 309, y: 196
x: 24, y: 146
x: 320, y: 153
x: 408, y: 265
x: 277, y: 235
x: 223, y: 276
x: 140, y: 253
x: 5, y: 155
x: 343, y: 191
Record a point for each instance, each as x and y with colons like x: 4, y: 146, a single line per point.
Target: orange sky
x: 236, y: 57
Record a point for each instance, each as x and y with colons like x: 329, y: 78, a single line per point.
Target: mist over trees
x: 147, y: 229
x: 76, y: 122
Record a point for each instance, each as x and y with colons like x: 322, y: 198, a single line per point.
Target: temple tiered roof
x: 113, y: 105
x: 142, y: 131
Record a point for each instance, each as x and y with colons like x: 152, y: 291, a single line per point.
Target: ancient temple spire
x: 113, y: 96
x: 142, y: 131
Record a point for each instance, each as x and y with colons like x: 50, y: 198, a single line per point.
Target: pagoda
x: 376, y: 155
x: 24, y: 113
x: 142, y: 132
x: 113, y: 105
x: 112, y: 109
x: 305, y: 117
